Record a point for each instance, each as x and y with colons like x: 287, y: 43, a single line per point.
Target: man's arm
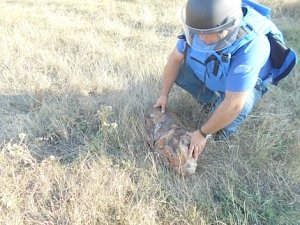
x: 170, y: 74
x: 227, y: 111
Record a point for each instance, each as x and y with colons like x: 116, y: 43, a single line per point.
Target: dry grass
x: 75, y: 79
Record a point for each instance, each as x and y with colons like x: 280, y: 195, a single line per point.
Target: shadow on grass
x: 54, y: 124
x: 66, y: 124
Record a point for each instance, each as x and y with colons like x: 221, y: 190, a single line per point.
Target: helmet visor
x: 213, y: 39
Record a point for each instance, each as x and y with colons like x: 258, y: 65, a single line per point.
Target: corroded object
x: 169, y: 138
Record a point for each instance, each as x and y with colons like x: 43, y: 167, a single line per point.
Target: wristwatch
x: 204, y: 134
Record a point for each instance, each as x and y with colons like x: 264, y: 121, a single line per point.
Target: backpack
x: 283, y: 58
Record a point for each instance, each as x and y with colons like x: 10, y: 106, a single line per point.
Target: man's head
x: 214, y: 22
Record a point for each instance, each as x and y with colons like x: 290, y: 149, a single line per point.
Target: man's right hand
x: 162, y: 102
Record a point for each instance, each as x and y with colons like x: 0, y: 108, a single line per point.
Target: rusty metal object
x: 169, y: 138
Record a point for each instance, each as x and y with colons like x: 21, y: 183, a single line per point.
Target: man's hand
x: 170, y: 74
x: 162, y: 102
x: 197, y: 145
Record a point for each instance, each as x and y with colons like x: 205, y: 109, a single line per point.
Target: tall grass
x: 76, y: 77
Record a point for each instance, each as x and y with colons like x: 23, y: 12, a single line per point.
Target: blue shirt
x: 248, y: 63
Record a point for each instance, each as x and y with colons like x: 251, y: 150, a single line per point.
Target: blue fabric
x: 187, y: 80
x: 290, y: 61
x: 246, y: 65
x: 262, y: 9
x: 180, y: 46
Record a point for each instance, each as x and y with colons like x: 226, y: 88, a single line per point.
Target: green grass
x: 76, y: 78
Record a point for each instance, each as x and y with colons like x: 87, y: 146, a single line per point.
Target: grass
x: 76, y: 77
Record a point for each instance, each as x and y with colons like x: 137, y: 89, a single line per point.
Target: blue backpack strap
x: 262, y: 9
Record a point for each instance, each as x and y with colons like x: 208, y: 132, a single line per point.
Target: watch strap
x: 204, y: 134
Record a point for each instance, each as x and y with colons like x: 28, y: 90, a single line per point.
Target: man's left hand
x: 197, y: 145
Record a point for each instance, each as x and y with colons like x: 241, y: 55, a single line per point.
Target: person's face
x: 209, y: 38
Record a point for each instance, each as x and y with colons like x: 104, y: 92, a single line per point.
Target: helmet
x: 205, y: 17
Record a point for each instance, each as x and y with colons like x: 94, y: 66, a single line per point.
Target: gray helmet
x: 211, y: 16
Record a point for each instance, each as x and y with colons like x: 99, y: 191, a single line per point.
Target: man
x: 220, y: 61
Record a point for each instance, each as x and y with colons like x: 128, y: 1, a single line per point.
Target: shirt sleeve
x: 181, y: 43
x: 247, y: 64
